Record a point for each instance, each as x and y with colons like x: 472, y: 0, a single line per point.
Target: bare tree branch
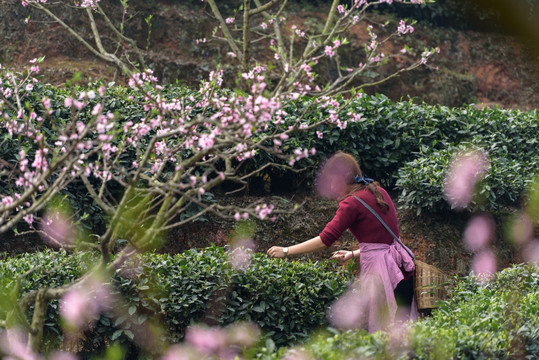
x: 224, y: 28
x: 261, y: 8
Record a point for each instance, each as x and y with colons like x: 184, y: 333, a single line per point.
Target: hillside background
x: 489, y: 57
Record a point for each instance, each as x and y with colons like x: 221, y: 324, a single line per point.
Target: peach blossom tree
x: 180, y: 149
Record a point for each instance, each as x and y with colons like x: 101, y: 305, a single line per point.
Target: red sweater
x: 365, y: 227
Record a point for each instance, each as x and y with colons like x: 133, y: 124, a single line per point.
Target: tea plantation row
x: 402, y: 144
x: 493, y: 320
x: 288, y: 301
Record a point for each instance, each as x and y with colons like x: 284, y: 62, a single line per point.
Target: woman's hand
x: 276, y: 252
x: 343, y: 256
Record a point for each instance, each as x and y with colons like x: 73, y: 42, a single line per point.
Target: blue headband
x: 362, y: 180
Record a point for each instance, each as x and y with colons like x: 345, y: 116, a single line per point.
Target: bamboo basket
x: 429, y: 285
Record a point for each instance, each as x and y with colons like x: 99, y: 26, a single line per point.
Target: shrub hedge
x: 287, y: 299
x: 403, y: 144
x: 492, y: 320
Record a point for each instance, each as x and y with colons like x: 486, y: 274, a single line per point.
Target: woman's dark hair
x: 348, y: 167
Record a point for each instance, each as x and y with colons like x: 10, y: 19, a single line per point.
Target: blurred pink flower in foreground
x: 56, y: 229
x: 464, y: 173
x: 530, y: 253
x: 347, y: 311
x: 241, y: 254
x: 479, y: 231
x: 484, y: 264
x: 206, y: 340
x: 333, y: 182
x: 243, y: 334
x: 363, y: 306
x: 13, y: 346
x: 84, y: 302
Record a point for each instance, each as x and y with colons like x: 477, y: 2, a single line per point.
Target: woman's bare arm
x: 310, y: 245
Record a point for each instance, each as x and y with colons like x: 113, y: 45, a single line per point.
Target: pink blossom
x: 46, y: 103
x: 29, y: 219
x: 29, y: 87
x: 264, y: 25
x: 88, y: 3
x: 264, y: 210
x: 229, y: 20
x: 349, y: 310
x: 329, y: 51
x: 242, y: 253
x: 74, y: 307
x: 404, y: 29
x: 83, y: 302
x: 478, y: 233
x: 464, y: 172
x: 484, y: 264
x: 7, y: 200
x: 340, y: 9
x: 57, y: 230
x: 13, y: 345
x: 332, y: 182
x: 530, y: 252
x: 79, y: 104
x: 205, y: 141
x: 207, y: 340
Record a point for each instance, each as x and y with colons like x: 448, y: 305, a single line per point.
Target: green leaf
x: 116, y: 334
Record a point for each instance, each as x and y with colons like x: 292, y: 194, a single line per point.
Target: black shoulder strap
x: 385, y: 225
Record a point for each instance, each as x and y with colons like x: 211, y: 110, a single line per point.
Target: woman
x: 386, y: 267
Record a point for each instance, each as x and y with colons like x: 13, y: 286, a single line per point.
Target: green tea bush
x: 481, y: 320
x: 406, y: 144
x: 421, y: 181
x: 489, y: 320
x: 288, y: 300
